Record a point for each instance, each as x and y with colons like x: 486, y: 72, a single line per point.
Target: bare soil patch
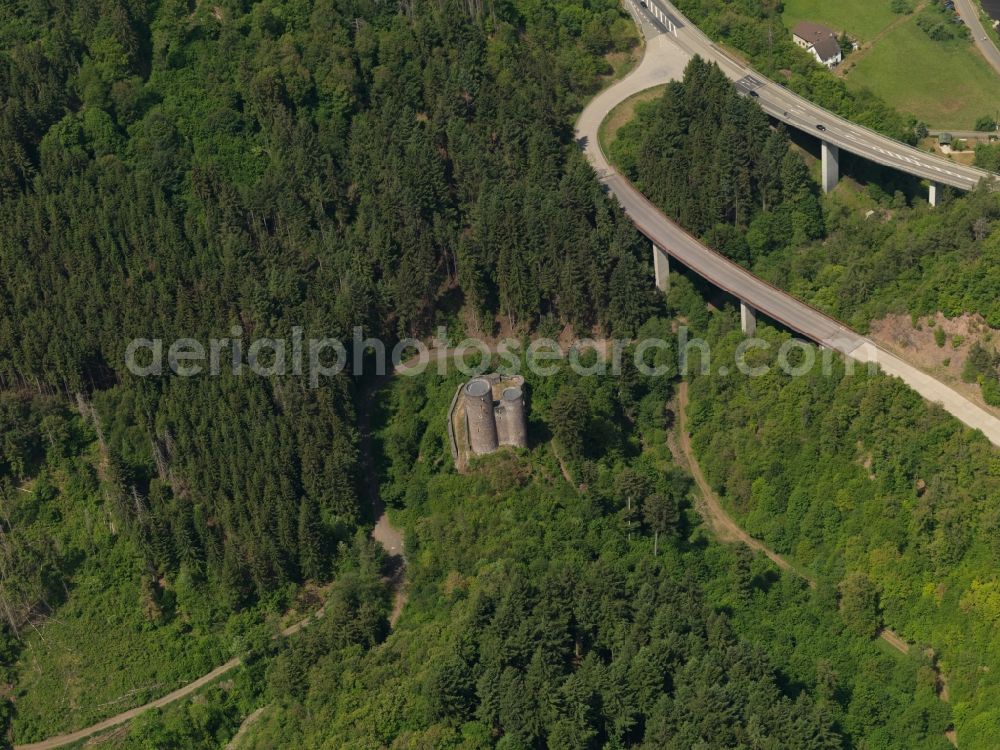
x: 917, y: 345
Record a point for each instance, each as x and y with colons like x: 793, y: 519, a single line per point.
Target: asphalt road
x: 969, y: 11
x: 800, y: 113
x: 968, y: 134
x: 664, y: 60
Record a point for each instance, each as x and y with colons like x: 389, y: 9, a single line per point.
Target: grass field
x: 862, y: 19
x: 945, y: 84
x: 622, y: 63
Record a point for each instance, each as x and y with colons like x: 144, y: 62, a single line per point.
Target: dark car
x: 820, y: 126
x: 754, y: 94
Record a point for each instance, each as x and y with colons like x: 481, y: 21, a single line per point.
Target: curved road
x: 664, y: 60
x: 969, y: 11
x: 798, y: 112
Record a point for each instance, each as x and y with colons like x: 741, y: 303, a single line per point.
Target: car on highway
x: 820, y: 126
x: 754, y: 94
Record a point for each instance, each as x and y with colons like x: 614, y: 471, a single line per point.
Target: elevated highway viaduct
x: 665, y: 57
x: 834, y: 132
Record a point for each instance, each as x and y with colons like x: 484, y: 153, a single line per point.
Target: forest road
x: 727, y: 530
x: 384, y: 533
x: 114, y: 721
x: 708, y: 505
x: 387, y: 535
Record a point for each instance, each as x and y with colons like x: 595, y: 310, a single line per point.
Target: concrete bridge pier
x: 934, y: 193
x: 748, y: 319
x: 831, y: 166
x: 661, y: 268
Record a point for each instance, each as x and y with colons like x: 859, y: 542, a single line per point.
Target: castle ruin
x: 491, y: 423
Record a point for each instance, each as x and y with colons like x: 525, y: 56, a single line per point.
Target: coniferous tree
x: 569, y: 418
x: 661, y: 514
x: 310, y: 541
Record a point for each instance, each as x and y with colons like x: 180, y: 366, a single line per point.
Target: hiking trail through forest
x: 727, y: 530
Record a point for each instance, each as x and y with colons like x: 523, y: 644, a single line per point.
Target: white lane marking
x: 850, y: 135
x: 792, y: 110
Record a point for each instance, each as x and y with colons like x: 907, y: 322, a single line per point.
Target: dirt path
x: 707, y: 503
x: 387, y: 535
x: 183, y: 692
x: 384, y: 533
x: 727, y: 530
x: 247, y: 723
x: 178, y: 694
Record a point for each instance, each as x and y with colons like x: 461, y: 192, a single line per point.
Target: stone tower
x: 512, y: 424
x: 479, y: 416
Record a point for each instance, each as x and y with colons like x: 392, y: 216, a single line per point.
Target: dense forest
x: 903, y: 258
x: 708, y: 157
x: 189, y: 170
x: 874, y: 492
x: 86, y: 620
x: 176, y: 169
x: 567, y: 614
x: 852, y: 476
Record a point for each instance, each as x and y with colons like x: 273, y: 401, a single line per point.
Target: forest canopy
x: 180, y: 169
x: 183, y: 170
x: 175, y: 171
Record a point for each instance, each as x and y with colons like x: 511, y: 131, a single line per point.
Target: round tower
x: 479, y: 416
x: 516, y: 423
